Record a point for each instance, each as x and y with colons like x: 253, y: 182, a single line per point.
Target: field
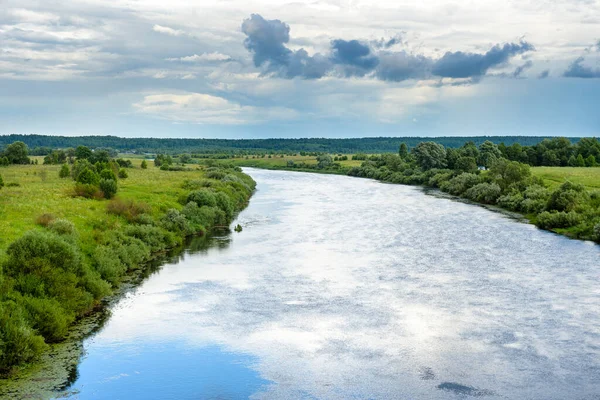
x: 278, y: 162
x: 554, y: 176
x: 41, y: 191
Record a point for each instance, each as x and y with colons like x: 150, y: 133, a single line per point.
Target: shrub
x: 144, y: 164
x: 215, y: 174
x: 13, y: 184
x: 511, y: 201
x: 202, y: 197
x: 64, y: 171
x: 48, y: 318
x: 19, y: 343
x: 62, y: 227
x: 567, y: 197
x: 88, y: 177
x: 174, y: 221
x: 44, y: 219
x: 558, y: 219
x: 87, y: 191
x: 108, y: 188
x: 108, y: 174
x: 225, y: 204
x: 123, y: 173
x: 128, y: 209
x: 1, y: 182
x: 484, y: 192
x: 459, y: 184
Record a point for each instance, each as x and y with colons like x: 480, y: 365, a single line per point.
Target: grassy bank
x: 61, y: 254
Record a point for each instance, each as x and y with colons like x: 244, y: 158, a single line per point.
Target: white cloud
x: 166, y: 30
x: 214, y: 56
x: 201, y: 108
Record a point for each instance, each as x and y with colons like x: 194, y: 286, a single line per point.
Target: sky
x: 320, y: 68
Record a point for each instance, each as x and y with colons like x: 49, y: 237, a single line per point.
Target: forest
x: 42, y: 145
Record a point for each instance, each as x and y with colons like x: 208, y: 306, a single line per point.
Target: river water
x: 346, y: 288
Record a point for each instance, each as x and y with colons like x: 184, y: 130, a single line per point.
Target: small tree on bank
x: 144, y: 164
x: 64, y: 172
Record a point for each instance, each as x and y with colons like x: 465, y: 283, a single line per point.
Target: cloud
x: 208, y: 57
x: 400, y: 66
x: 168, y: 31
x: 464, y: 65
x: 521, y: 68
x: 267, y: 39
x: 578, y: 70
x: 354, y: 55
x: 544, y: 74
x: 201, y: 108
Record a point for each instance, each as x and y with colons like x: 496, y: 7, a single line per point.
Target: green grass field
x: 555, y: 176
x: 41, y: 191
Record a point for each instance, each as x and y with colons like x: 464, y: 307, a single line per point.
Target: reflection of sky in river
x: 348, y: 288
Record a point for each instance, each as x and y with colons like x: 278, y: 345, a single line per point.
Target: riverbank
x: 63, y: 255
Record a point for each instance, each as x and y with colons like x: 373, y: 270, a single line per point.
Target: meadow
x: 61, y: 254
x: 555, y: 176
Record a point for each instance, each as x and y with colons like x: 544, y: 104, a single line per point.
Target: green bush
x: 459, y: 184
x: 567, y: 197
x: 128, y: 209
x: 108, y: 174
x: 88, y: 177
x: 48, y: 318
x: 108, y: 187
x: 144, y: 164
x: 62, y: 227
x: 174, y: 221
x: 484, y: 192
x: 558, y: 219
x: 202, y: 197
x: 123, y: 173
x: 19, y: 343
x: 64, y: 171
x: 511, y: 201
x: 225, y: 204
x: 87, y: 191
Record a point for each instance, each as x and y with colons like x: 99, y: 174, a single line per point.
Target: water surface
x: 341, y: 288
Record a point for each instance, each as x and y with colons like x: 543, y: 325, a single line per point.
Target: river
x: 347, y: 288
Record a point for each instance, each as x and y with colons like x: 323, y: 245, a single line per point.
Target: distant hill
x: 351, y: 145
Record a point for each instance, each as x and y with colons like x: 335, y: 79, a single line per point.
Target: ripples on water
x: 344, y: 288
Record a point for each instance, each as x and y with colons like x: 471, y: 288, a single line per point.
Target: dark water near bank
x: 343, y: 288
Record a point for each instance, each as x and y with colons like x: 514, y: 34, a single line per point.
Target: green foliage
x: 430, y: 155
x: 108, y: 174
x: 123, y: 173
x: 324, y: 161
x: 488, y: 154
x: 567, y: 197
x: 202, y: 197
x: 460, y: 184
x: 558, y: 219
x: 83, y: 153
x: 64, y: 171
x: 484, y: 192
x: 19, y: 343
x: 402, y: 151
x: 466, y: 164
x: 1, y: 182
x: 174, y: 221
x: 16, y: 153
x: 108, y: 187
x: 88, y: 191
x: 62, y: 227
x: 144, y: 164
x: 88, y: 177
x: 507, y: 173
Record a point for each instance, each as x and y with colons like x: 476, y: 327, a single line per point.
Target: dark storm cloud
x: 267, y: 39
x: 465, y: 65
x: 578, y: 70
x: 400, y: 66
x: 354, y: 53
